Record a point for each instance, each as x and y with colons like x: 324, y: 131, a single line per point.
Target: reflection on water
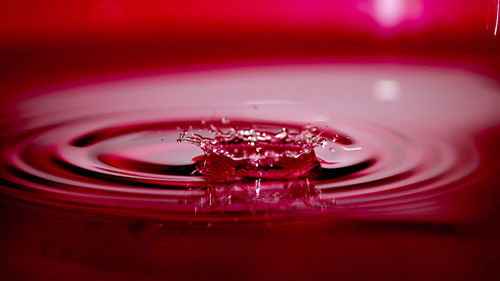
x: 400, y: 157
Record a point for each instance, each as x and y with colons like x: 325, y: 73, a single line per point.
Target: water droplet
x: 251, y: 152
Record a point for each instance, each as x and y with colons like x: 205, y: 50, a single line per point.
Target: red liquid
x: 116, y: 165
x: 94, y: 185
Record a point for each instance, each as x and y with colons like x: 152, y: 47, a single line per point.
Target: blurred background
x: 66, y: 41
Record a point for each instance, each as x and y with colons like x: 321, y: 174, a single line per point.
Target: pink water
x: 406, y: 150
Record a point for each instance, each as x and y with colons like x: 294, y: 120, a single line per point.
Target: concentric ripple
x: 101, y: 150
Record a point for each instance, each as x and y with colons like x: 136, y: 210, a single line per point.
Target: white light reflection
x: 389, y: 13
x: 353, y: 149
x: 493, y: 16
x: 496, y: 21
x: 387, y: 90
